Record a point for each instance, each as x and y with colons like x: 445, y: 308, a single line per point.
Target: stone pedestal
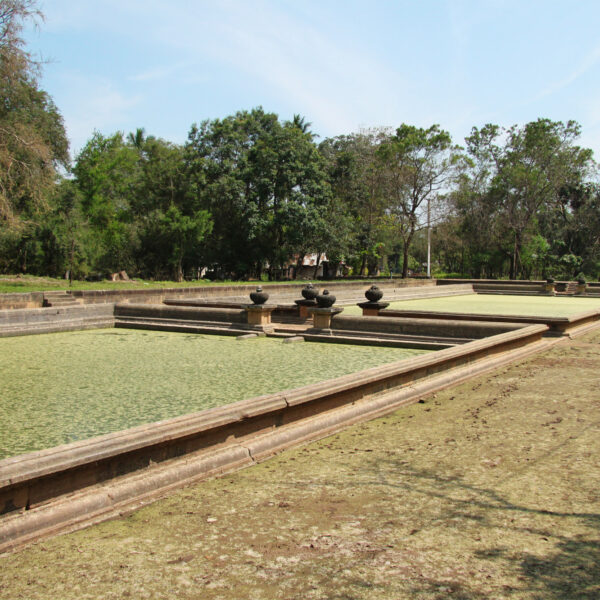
x: 304, y: 307
x: 259, y: 316
x: 581, y: 289
x: 322, y: 317
x: 550, y: 288
x: 371, y: 309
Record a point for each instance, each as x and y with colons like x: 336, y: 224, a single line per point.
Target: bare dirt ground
x: 488, y: 490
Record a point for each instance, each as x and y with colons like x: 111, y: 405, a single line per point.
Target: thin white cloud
x: 587, y: 63
x: 333, y: 80
x: 158, y: 73
x: 91, y: 103
x: 312, y: 58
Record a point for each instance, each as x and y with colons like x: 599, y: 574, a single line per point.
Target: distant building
x: 309, y: 269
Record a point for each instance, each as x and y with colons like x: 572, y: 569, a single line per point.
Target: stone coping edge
x: 554, y: 323
x: 125, y: 494
x: 32, y: 321
x: 33, y: 465
x: 244, y: 289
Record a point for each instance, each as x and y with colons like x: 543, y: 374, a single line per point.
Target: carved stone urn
x: 309, y: 292
x: 259, y: 297
x: 325, y: 300
x: 374, y: 294
x: 550, y: 285
x: 373, y: 305
x: 581, y: 285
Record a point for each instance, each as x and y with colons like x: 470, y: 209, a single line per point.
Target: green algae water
x: 482, y: 304
x: 61, y: 387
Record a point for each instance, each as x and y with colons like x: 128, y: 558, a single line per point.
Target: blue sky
x: 115, y: 65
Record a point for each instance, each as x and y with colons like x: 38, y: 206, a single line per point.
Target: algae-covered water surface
x: 482, y: 304
x: 62, y: 387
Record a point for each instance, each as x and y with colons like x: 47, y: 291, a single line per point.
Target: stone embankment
x: 30, y: 321
x: 73, y: 485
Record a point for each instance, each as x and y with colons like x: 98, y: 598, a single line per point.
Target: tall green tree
x: 420, y: 165
x: 171, y: 221
x: 107, y: 171
x: 358, y: 182
x: 33, y: 143
x: 260, y: 179
x: 528, y: 168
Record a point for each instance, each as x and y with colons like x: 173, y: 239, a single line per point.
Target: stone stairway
x: 571, y: 287
x: 60, y: 299
x: 566, y: 288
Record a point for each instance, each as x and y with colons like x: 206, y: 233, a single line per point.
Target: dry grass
x: 488, y: 490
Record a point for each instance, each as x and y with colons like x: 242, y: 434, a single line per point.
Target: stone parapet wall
x: 53, y: 319
x: 345, y: 295
x: 29, y: 300
x: 72, y: 485
x: 476, y: 282
x: 184, y: 313
x: 422, y: 327
x: 238, y: 292
x: 500, y: 286
x: 514, y: 286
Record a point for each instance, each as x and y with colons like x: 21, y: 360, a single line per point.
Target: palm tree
x: 138, y: 138
x: 304, y: 126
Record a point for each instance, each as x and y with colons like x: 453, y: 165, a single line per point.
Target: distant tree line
x: 249, y: 193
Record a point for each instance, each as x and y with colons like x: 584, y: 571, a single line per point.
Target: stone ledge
x: 558, y: 325
x: 127, y: 492
x: 30, y: 321
x: 35, y: 488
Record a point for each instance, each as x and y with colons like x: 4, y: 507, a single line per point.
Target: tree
x: 33, y: 143
x: 420, y: 164
x: 573, y: 230
x: 259, y: 179
x: 357, y: 180
x: 174, y: 235
x: 107, y: 171
x: 526, y: 169
x: 170, y: 219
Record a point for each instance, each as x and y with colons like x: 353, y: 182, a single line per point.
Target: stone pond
x: 62, y: 387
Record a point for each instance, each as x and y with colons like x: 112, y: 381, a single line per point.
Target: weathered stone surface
x: 259, y: 296
x: 53, y: 319
x: 325, y: 299
x: 322, y: 316
x: 83, y: 465
x: 259, y: 315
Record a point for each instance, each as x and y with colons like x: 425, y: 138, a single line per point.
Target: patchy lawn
x: 488, y: 490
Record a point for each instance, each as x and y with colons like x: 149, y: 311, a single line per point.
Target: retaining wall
x: 29, y: 321
x: 557, y: 325
x: 157, y: 295
x: 30, y: 300
x: 65, y: 487
x: 514, y: 286
x: 416, y: 326
x: 285, y: 300
x: 185, y: 313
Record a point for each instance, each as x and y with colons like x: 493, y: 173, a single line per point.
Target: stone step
x: 289, y: 320
x: 60, y: 298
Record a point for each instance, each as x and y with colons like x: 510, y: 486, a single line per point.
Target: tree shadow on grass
x: 569, y: 570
